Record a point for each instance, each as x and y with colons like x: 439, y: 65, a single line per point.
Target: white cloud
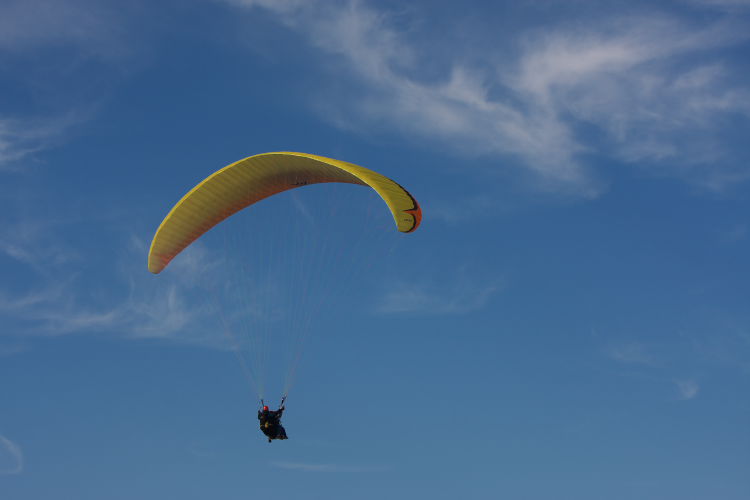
x: 20, y: 303
x: 623, y: 82
x: 11, y: 457
x: 33, y: 241
x: 651, y: 85
x: 735, y: 234
x: 58, y: 41
x: 688, y: 389
x: 30, y: 24
x: 20, y: 138
x: 139, y: 305
x: 631, y: 352
x: 729, y: 4
x: 457, y: 295
x: 12, y: 349
x: 54, y: 309
x: 280, y: 6
x: 645, y: 362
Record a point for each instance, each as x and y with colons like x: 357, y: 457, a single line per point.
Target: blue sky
x: 570, y: 321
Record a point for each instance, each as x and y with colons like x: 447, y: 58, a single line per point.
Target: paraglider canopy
x: 255, y: 178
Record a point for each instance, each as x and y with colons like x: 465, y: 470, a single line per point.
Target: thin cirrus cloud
x: 687, y: 389
x: 21, y: 137
x: 36, y: 242
x: 623, y: 83
x: 62, y: 38
x: 11, y: 457
x: 54, y: 309
x: 457, y: 296
x: 638, y: 354
x: 30, y: 24
x: 133, y: 305
x: 656, y: 87
x: 631, y: 353
x: 47, y: 304
x: 16, y: 141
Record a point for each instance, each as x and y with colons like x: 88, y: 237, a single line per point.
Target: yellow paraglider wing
x: 248, y: 181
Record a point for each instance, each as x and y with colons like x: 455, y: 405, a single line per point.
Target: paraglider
x: 270, y: 421
x: 248, y: 181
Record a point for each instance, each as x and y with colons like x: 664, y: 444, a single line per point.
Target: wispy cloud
x: 16, y: 141
x: 62, y: 39
x: 631, y: 352
x: 135, y: 304
x: 688, y: 389
x: 30, y: 24
x: 624, y: 82
x: 655, y: 87
x: 729, y: 4
x: 452, y: 295
x: 309, y: 467
x: 21, y: 137
x: 12, y: 349
x: 734, y: 234
x: 11, y: 457
x: 643, y: 359
x: 33, y: 241
x: 45, y: 301
x: 113, y: 293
